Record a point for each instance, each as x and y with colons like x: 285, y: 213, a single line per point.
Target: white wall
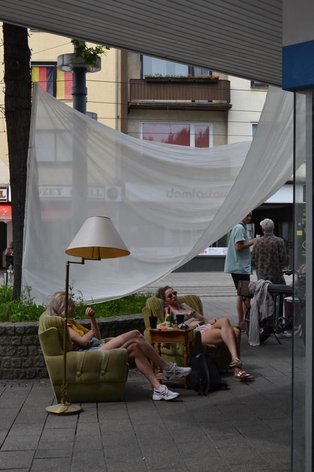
x: 247, y: 104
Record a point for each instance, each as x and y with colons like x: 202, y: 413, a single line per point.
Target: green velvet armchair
x: 95, y: 376
x: 173, y: 353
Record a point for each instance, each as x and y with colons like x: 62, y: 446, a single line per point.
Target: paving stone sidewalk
x: 245, y: 428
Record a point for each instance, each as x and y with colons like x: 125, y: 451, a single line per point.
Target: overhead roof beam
x: 237, y: 37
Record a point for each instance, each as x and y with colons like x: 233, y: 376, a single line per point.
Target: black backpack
x: 205, y: 376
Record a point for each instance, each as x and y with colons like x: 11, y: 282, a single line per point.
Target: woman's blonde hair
x: 56, y: 305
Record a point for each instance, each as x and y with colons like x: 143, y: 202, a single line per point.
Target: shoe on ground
x: 285, y: 334
x: 175, y: 372
x: 163, y: 393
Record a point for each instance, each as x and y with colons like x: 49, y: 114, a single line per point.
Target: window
x: 160, y: 67
x: 53, y: 81
x: 185, y: 134
x: 254, y: 128
x: 45, y: 76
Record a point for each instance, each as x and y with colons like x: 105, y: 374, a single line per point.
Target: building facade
x: 179, y: 104
x: 156, y: 100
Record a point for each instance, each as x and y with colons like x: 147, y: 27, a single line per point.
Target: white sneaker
x: 285, y: 334
x: 175, y: 372
x: 163, y: 393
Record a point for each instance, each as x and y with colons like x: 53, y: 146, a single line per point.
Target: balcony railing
x: 180, y: 93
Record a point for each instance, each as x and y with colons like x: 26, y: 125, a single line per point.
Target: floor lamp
x: 96, y: 239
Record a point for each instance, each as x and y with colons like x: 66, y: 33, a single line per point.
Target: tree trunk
x: 17, y: 79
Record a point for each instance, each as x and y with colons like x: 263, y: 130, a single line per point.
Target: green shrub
x: 18, y: 310
x: 25, y: 309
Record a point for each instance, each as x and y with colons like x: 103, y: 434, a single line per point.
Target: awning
x: 241, y: 38
x: 5, y: 212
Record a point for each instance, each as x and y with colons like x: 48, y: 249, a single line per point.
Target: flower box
x: 181, y: 80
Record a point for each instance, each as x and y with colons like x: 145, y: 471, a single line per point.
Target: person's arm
x: 240, y: 245
x: 199, y: 317
x: 94, y: 325
x: 80, y: 340
x: 253, y: 257
x: 167, y: 311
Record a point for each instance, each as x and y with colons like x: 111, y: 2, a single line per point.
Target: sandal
x: 235, y: 363
x: 243, y: 376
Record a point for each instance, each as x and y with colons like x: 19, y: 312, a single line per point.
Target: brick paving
x: 245, y: 428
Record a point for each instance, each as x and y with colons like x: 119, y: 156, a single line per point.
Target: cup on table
x: 179, y: 318
x: 153, y: 322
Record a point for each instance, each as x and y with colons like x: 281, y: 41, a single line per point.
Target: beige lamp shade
x: 97, y: 239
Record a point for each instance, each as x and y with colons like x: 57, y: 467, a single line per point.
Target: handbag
x: 243, y: 289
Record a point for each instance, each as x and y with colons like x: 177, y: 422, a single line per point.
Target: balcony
x: 176, y: 93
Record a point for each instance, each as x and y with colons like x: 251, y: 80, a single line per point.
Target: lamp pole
x: 79, y: 89
x: 76, y: 64
x: 79, y: 67
x: 96, y: 239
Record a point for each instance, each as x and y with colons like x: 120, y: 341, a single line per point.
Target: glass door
x: 302, y: 395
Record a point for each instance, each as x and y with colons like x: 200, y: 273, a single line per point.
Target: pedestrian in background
x: 238, y: 262
x: 9, y: 254
x: 269, y: 255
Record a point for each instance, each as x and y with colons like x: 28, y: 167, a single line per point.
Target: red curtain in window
x: 179, y: 134
x: 168, y: 133
x: 201, y: 136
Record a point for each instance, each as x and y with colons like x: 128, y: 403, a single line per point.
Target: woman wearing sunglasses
x: 212, y: 331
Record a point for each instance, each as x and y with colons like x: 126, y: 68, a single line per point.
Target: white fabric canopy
x: 167, y: 202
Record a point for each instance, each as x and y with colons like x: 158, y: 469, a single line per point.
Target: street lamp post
x: 78, y: 66
x: 79, y: 89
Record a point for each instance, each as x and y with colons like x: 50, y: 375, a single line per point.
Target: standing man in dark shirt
x: 269, y: 255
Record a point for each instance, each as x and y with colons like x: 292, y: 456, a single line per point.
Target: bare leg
x: 246, y: 302
x: 240, y: 311
x: 124, y: 340
x: 222, y: 331
x: 119, y: 341
x: 143, y: 364
x: 237, y: 334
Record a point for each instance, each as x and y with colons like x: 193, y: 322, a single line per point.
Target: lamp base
x: 64, y: 409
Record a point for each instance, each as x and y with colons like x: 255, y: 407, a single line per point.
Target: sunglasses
x: 172, y: 295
